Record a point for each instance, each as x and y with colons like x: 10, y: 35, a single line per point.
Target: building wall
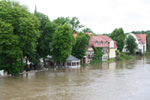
x: 111, y: 44
x: 112, y: 52
x: 106, y: 54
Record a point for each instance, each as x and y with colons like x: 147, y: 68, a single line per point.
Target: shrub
x: 119, y: 58
x: 95, y: 61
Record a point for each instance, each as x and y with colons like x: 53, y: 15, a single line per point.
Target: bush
x: 147, y: 53
x: 119, y: 58
x: 124, y: 56
x: 110, y: 60
x: 84, y: 64
x: 95, y: 61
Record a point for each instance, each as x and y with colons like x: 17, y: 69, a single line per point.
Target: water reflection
x: 123, y: 80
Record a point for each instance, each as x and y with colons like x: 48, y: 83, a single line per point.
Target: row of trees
x: 34, y: 36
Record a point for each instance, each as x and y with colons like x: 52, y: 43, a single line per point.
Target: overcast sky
x: 101, y: 16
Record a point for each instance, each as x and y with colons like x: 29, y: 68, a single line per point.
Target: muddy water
x: 128, y: 80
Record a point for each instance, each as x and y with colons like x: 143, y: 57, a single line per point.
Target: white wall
x: 111, y: 44
x: 112, y: 53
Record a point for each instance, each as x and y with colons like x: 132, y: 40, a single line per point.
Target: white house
x: 140, y: 41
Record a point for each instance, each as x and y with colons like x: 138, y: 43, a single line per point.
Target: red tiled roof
x: 97, y: 38
x: 106, y: 38
x: 141, y: 38
x: 101, y: 38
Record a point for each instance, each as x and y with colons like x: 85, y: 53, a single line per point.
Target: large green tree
x: 119, y: 36
x: 148, y: 41
x: 18, y: 35
x: 63, y: 40
x: 82, y: 42
x: 73, y: 22
x: 47, y: 29
x: 131, y: 44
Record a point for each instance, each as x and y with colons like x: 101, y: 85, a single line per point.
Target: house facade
x: 140, y: 41
x: 108, y: 46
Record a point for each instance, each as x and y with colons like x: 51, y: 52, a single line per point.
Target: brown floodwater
x: 127, y: 80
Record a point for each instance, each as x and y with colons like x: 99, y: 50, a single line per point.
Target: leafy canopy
x: 63, y: 40
x: 73, y: 22
x: 119, y: 36
x: 98, y: 53
x: 131, y: 44
x: 82, y: 42
x: 18, y: 35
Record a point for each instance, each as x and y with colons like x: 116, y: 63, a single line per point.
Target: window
x: 106, y: 43
x: 101, y: 42
x: 96, y: 42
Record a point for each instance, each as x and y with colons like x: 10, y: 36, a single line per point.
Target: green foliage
x: 131, y: 44
x: 141, y: 32
x: 148, y: 41
x: 47, y: 29
x: 118, y: 53
x: 147, y: 53
x: 94, y: 61
x: 61, y: 20
x: 94, y: 34
x: 98, y: 53
x: 18, y: 35
x: 119, y: 36
x: 82, y: 42
x: 124, y: 56
x: 87, y: 30
x: 63, y: 40
x: 84, y: 64
x: 119, y: 59
x: 73, y: 22
x: 110, y: 60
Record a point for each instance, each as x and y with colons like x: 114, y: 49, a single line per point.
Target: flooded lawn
x: 127, y: 80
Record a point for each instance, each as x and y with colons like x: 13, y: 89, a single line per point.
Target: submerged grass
x: 124, y: 56
x: 94, y: 61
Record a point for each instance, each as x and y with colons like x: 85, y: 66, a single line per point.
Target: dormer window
x: 140, y: 40
x: 106, y: 43
x: 96, y: 42
x: 101, y: 42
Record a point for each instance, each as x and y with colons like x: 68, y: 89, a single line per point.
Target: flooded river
x: 127, y: 80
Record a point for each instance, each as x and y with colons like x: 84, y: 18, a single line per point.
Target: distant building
x: 108, y: 45
x: 140, y: 41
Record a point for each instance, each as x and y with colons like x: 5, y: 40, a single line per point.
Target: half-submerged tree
x: 63, y: 40
x: 131, y: 44
x: 82, y: 42
x: 18, y: 35
x: 119, y: 36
